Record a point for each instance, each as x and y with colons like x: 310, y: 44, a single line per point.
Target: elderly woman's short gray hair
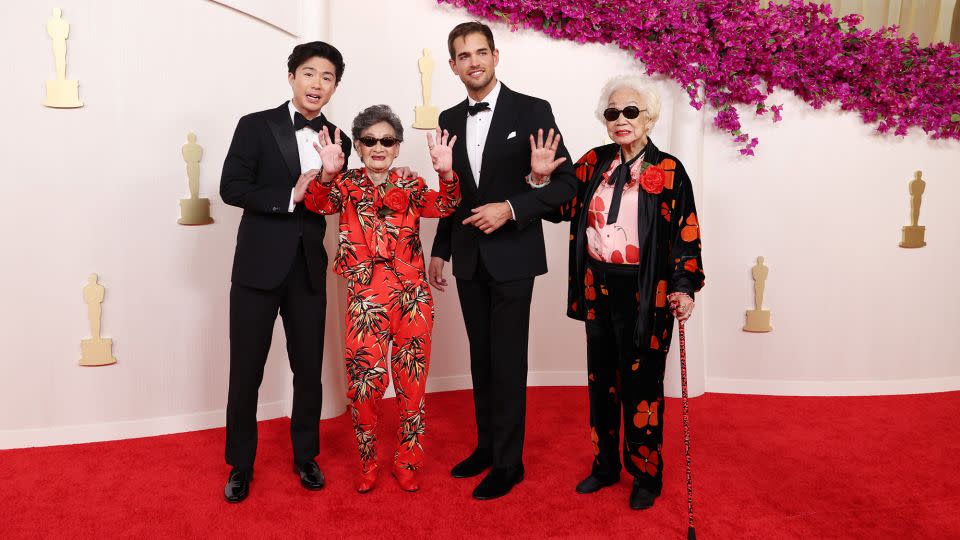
x: 373, y: 115
x: 651, y: 101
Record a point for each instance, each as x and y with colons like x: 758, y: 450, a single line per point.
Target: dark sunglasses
x: 370, y: 142
x: 629, y: 112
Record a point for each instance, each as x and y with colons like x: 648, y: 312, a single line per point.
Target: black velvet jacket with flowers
x: 669, y: 235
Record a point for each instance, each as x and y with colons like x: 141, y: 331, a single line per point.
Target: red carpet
x: 764, y: 467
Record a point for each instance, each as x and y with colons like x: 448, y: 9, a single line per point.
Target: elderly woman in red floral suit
x: 379, y: 254
x: 634, y: 266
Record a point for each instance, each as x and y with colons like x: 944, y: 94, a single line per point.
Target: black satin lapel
x: 282, y: 128
x: 503, y: 116
x: 646, y: 213
x: 459, y: 128
x: 647, y: 209
x: 651, y: 154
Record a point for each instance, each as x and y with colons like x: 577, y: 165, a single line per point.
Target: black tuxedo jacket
x: 261, y: 168
x: 515, y: 250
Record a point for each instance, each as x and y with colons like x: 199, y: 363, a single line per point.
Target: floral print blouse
x: 618, y: 242
x: 380, y: 222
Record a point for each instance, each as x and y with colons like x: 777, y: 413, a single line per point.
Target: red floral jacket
x: 380, y: 223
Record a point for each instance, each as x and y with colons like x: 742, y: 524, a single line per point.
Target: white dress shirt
x: 478, y: 126
x: 309, y: 158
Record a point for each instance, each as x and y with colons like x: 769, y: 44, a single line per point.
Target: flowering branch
x: 731, y: 53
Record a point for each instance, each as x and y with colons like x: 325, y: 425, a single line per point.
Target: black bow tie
x: 300, y: 121
x: 477, y: 107
x: 619, y: 179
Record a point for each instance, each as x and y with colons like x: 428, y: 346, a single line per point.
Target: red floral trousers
x: 398, y: 309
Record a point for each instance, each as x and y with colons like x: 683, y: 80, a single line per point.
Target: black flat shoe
x: 594, y: 483
x: 238, y: 485
x: 498, y: 483
x: 310, y: 475
x: 478, y: 462
x: 640, y: 498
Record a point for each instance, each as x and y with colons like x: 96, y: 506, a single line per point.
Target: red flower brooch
x: 653, y: 179
x: 396, y: 199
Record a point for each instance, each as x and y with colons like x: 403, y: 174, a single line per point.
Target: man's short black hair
x: 463, y: 30
x: 305, y: 51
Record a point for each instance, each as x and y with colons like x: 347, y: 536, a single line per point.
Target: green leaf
x: 955, y: 117
x: 771, y: 41
x: 546, y: 23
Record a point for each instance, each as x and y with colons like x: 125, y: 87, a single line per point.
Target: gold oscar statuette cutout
x: 194, y: 211
x: 96, y: 351
x: 427, y: 115
x: 758, y: 319
x: 913, y: 233
x: 61, y: 93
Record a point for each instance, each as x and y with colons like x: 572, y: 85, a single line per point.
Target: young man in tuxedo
x: 280, y: 263
x: 496, y: 242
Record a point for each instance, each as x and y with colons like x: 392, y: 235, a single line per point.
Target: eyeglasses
x: 629, y: 112
x: 387, y: 142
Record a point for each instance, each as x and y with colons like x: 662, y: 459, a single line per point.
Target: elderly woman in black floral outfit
x: 634, y: 266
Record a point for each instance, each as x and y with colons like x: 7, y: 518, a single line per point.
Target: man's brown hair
x: 467, y: 28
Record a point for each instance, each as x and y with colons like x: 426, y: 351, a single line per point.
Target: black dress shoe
x: 478, y: 462
x: 640, y: 498
x: 595, y: 483
x: 498, y: 483
x: 238, y: 485
x: 310, y: 475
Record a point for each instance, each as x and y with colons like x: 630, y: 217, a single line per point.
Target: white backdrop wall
x: 853, y: 313
x: 96, y: 190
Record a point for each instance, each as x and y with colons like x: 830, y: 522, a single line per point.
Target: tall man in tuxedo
x: 280, y: 263
x: 496, y: 242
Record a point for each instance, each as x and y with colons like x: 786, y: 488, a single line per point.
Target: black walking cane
x: 691, y: 532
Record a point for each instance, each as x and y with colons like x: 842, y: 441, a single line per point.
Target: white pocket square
x: 511, y: 135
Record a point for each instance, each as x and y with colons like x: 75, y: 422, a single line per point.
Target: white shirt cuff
x: 513, y: 215
x: 292, y: 205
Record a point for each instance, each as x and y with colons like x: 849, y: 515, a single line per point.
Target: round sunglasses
x: 629, y: 112
x: 387, y: 142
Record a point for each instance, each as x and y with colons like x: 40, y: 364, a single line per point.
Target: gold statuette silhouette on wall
x: 427, y: 115
x: 194, y: 211
x: 758, y: 319
x: 96, y: 351
x: 61, y: 93
x: 913, y: 233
